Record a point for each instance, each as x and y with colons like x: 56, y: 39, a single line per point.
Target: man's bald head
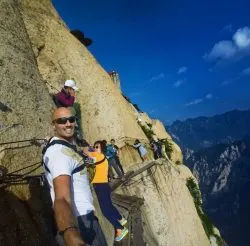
x: 63, y: 123
x: 60, y: 113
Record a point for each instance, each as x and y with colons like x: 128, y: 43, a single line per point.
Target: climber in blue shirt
x: 111, y: 154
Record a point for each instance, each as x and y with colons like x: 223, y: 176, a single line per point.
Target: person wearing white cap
x: 66, y: 97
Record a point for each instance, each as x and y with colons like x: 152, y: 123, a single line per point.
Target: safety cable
x: 126, y: 137
x: 51, y: 86
x: 23, y: 181
x: 32, y: 140
x: 13, y: 178
x: 139, y: 180
x: 16, y: 147
x: 24, y: 168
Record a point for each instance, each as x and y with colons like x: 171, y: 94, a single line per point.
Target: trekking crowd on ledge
x: 70, y: 165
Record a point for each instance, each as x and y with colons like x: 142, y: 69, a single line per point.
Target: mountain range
x: 203, y: 132
x: 217, y: 150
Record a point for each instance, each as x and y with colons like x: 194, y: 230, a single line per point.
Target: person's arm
x: 65, y: 100
x: 63, y: 211
x: 108, y: 152
x: 136, y: 145
x: 117, y: 151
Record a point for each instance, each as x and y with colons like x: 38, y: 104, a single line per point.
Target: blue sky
x: 176, y: 59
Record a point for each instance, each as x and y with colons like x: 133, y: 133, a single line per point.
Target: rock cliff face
x: 160, y: 133
x: 25, y: 114
x: 37, y: 54
x: 169, y: 214
x: 61, y: 56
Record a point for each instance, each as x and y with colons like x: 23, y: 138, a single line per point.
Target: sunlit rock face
x: 160, y: 133
x: 60, y: 56
x: 25, y: 114
x: 169, y: 215
x: 38, y: 53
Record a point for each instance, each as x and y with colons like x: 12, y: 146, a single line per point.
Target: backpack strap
x: 71, y: 146
x: 101, y: 161
x: 80, y: 168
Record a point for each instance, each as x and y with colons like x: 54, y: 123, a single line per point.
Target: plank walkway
x: 132, y: 205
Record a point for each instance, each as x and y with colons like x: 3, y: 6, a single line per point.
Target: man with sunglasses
x: 70, y: 189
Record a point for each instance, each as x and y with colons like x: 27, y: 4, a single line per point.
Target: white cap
x: 71, y: 83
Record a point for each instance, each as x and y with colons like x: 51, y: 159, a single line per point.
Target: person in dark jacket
x: 66, y: 97
x: 117, y: 156
x: 154, y: 147
x: 111, y: 154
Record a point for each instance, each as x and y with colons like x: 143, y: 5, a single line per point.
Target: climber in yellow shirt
x: 103, y: 191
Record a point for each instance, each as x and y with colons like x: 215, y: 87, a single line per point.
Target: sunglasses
x: 63, y: 121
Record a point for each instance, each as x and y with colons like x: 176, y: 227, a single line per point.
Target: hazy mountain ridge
x: 203, y: 132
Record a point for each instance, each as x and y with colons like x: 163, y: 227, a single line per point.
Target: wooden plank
x: 117, y: 183
x: 149, y: 165
x: 126, y: 197
x: 136, y: 221
x: 132, y: 204
x: 128, y: 202
x: 131, y: 174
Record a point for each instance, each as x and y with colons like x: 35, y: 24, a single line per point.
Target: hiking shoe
x: 123, y: 221
x: 120, y: 234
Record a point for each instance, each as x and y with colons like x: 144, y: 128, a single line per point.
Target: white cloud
x: 246, y: 71
x: 209, y: 96
x: 221, y: 50
x: 182, y: 70
x: 236, y: 48
x: 194, y: 102
x: 199, y: 100
x: 157, y: 77
x: 242, y: 37
x: 179, y: 82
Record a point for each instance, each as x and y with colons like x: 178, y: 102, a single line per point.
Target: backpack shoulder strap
x: 80, y: 168
x: 101, y: 161
x: 58, y: 141
x: 71, y: 146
